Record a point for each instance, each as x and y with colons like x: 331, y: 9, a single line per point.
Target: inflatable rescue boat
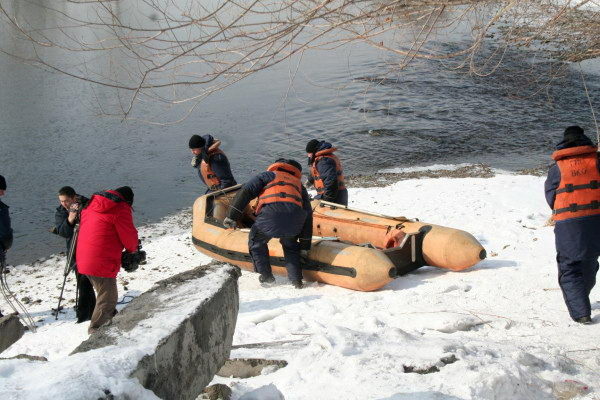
x: 357, y: 266
x: 350, y: 248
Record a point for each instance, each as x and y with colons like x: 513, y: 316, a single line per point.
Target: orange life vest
x: 286, y: 187
x: 319, y: 155
x: 578, y: 193
x: 212, y: 181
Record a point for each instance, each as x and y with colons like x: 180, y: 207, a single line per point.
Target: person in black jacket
x: 6, y: 233
x: 65, y: 218
x: 573, y: 193
x: 211, y: 162
x: 326, y: 172
x: 283, y: 211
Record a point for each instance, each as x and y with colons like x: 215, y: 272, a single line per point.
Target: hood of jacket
x: 104, y: 202
x: 208, y: 141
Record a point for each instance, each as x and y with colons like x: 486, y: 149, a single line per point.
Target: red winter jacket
x: 106, y: 228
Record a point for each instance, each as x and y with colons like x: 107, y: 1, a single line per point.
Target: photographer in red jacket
x: 106, y: 228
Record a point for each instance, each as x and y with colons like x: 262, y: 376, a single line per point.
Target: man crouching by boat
x: 283, y: 211
x: 106, y: 228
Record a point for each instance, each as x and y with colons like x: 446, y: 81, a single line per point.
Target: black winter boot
x: 298, y: 284
x: 584, y: 320
x: 266, y: 279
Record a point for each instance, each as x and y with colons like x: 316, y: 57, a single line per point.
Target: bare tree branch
x: 178, y: 51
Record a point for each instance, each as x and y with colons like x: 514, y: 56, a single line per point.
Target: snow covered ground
x: 497, y: 331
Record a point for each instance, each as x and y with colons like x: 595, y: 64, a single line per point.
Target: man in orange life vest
x: 212, y: 164
x: 326, y: 172
x: 283, y: 211
x: 573, y: 193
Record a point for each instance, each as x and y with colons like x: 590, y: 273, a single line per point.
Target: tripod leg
x: 62, y: 289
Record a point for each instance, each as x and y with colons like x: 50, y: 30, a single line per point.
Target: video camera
x: 131, y: 261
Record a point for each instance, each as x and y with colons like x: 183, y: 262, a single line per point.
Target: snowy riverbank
x: 501, y: 328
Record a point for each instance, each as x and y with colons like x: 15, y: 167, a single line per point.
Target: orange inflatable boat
x: 358, y: 265
x: 442, y: 247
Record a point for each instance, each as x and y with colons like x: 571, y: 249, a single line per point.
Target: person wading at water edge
x: 6, y: 233
x: 283, y: 211
x: 326, y: 172
x: 212, y: 164
x: 106, y: 228
x: 573, y: 193
x: 65, y: 218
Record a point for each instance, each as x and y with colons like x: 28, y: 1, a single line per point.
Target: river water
x: 52, y: 133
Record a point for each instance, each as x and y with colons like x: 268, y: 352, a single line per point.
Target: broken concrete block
x: 11, y: 330
x: 188, y: 354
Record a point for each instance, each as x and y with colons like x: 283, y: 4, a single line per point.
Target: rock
x: 216, y: 392
x: 249, y: 367
x: 26, y: 300
x: 11, y: 330
x: 186, y: 356
x: 431, y: 369
x: 26, y: 357
x: 449, y: 359
x: 420, y: 370
x: 107, y: 395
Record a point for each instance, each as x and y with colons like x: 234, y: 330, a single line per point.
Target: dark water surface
x: 51, y: 134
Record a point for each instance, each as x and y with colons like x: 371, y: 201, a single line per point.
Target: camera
x: 131, y: 261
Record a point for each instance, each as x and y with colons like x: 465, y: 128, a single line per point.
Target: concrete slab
x: 11, y: 330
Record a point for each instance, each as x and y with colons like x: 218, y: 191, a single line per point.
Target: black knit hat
x: 196, y: 142
x: 127, y: 193
x: 2, y: 183
x: 293, y: 163
x: 312, y: 146
x: 573, y: 132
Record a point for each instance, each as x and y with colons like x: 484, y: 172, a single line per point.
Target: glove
x: 229, y: 223
x: 195, y: 161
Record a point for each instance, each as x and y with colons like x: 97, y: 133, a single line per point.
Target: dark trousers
x: 106, y: 301
x: 577, y: 279
x: 259, y: 251
x: 86, y: 299
x: 341, y: 198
